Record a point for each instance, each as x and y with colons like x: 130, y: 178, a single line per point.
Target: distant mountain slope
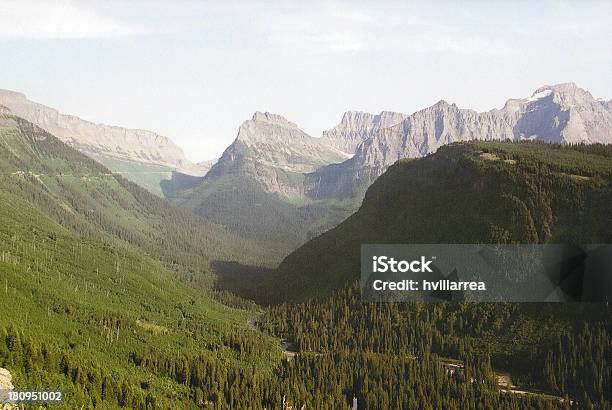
x: 149, y: 176
x: 562, y: 113
x: 205, y: 166
x: 109, y: 145
x: 476, y: 192
x: 256, y: 188
x: 87, y: 198
x: 356, y: 126
x: 275, y: 153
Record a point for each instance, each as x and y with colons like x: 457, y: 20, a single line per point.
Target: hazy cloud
x: 339, y: 27
x: 60, y: 20
x: 218, y: 61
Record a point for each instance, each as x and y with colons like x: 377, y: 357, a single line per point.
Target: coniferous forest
x: 108, y: 293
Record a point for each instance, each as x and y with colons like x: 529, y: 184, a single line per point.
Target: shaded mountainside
x: 476, y: 192
x: 256, y: 189
x: 243, y: 207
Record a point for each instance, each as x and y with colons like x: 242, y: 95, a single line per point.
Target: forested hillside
x: 560, y: 350
x: 465, y: 193
x: 476, y: 192
x: 85, y: 315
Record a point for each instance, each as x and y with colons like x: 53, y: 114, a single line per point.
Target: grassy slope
x: 149, y: 176
x: 526, y: 193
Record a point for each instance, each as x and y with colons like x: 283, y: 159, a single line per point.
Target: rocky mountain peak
x: 564, y: 113
x: 561, y: 88
x: 357, y: 126
x: 561, y: 113
x: 389, y: 118
x: 354, y: 117
x: 269, y: 145
x: 442, y: 104
x: 442, y: 107
x: 367, y: 121
x: 270, y: 118
x: 566, y: 94
x: 265, y: 127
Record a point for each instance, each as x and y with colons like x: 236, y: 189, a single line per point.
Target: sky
x: 195, y: 70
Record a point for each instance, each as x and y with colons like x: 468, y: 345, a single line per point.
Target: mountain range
x: 562, y: 113
x: 107, y: 289
x: 280, y: 186
x: 274, y: 174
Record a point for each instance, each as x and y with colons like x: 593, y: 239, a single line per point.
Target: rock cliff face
x: 100, y: 140
x: 562, y: 113
x: 273, y: 141
x: 5, y: 380
x: 274, y: 152
x: 6, y: 384
x: 356, y: 127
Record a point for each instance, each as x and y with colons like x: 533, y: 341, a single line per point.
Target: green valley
x: 106, y: 290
